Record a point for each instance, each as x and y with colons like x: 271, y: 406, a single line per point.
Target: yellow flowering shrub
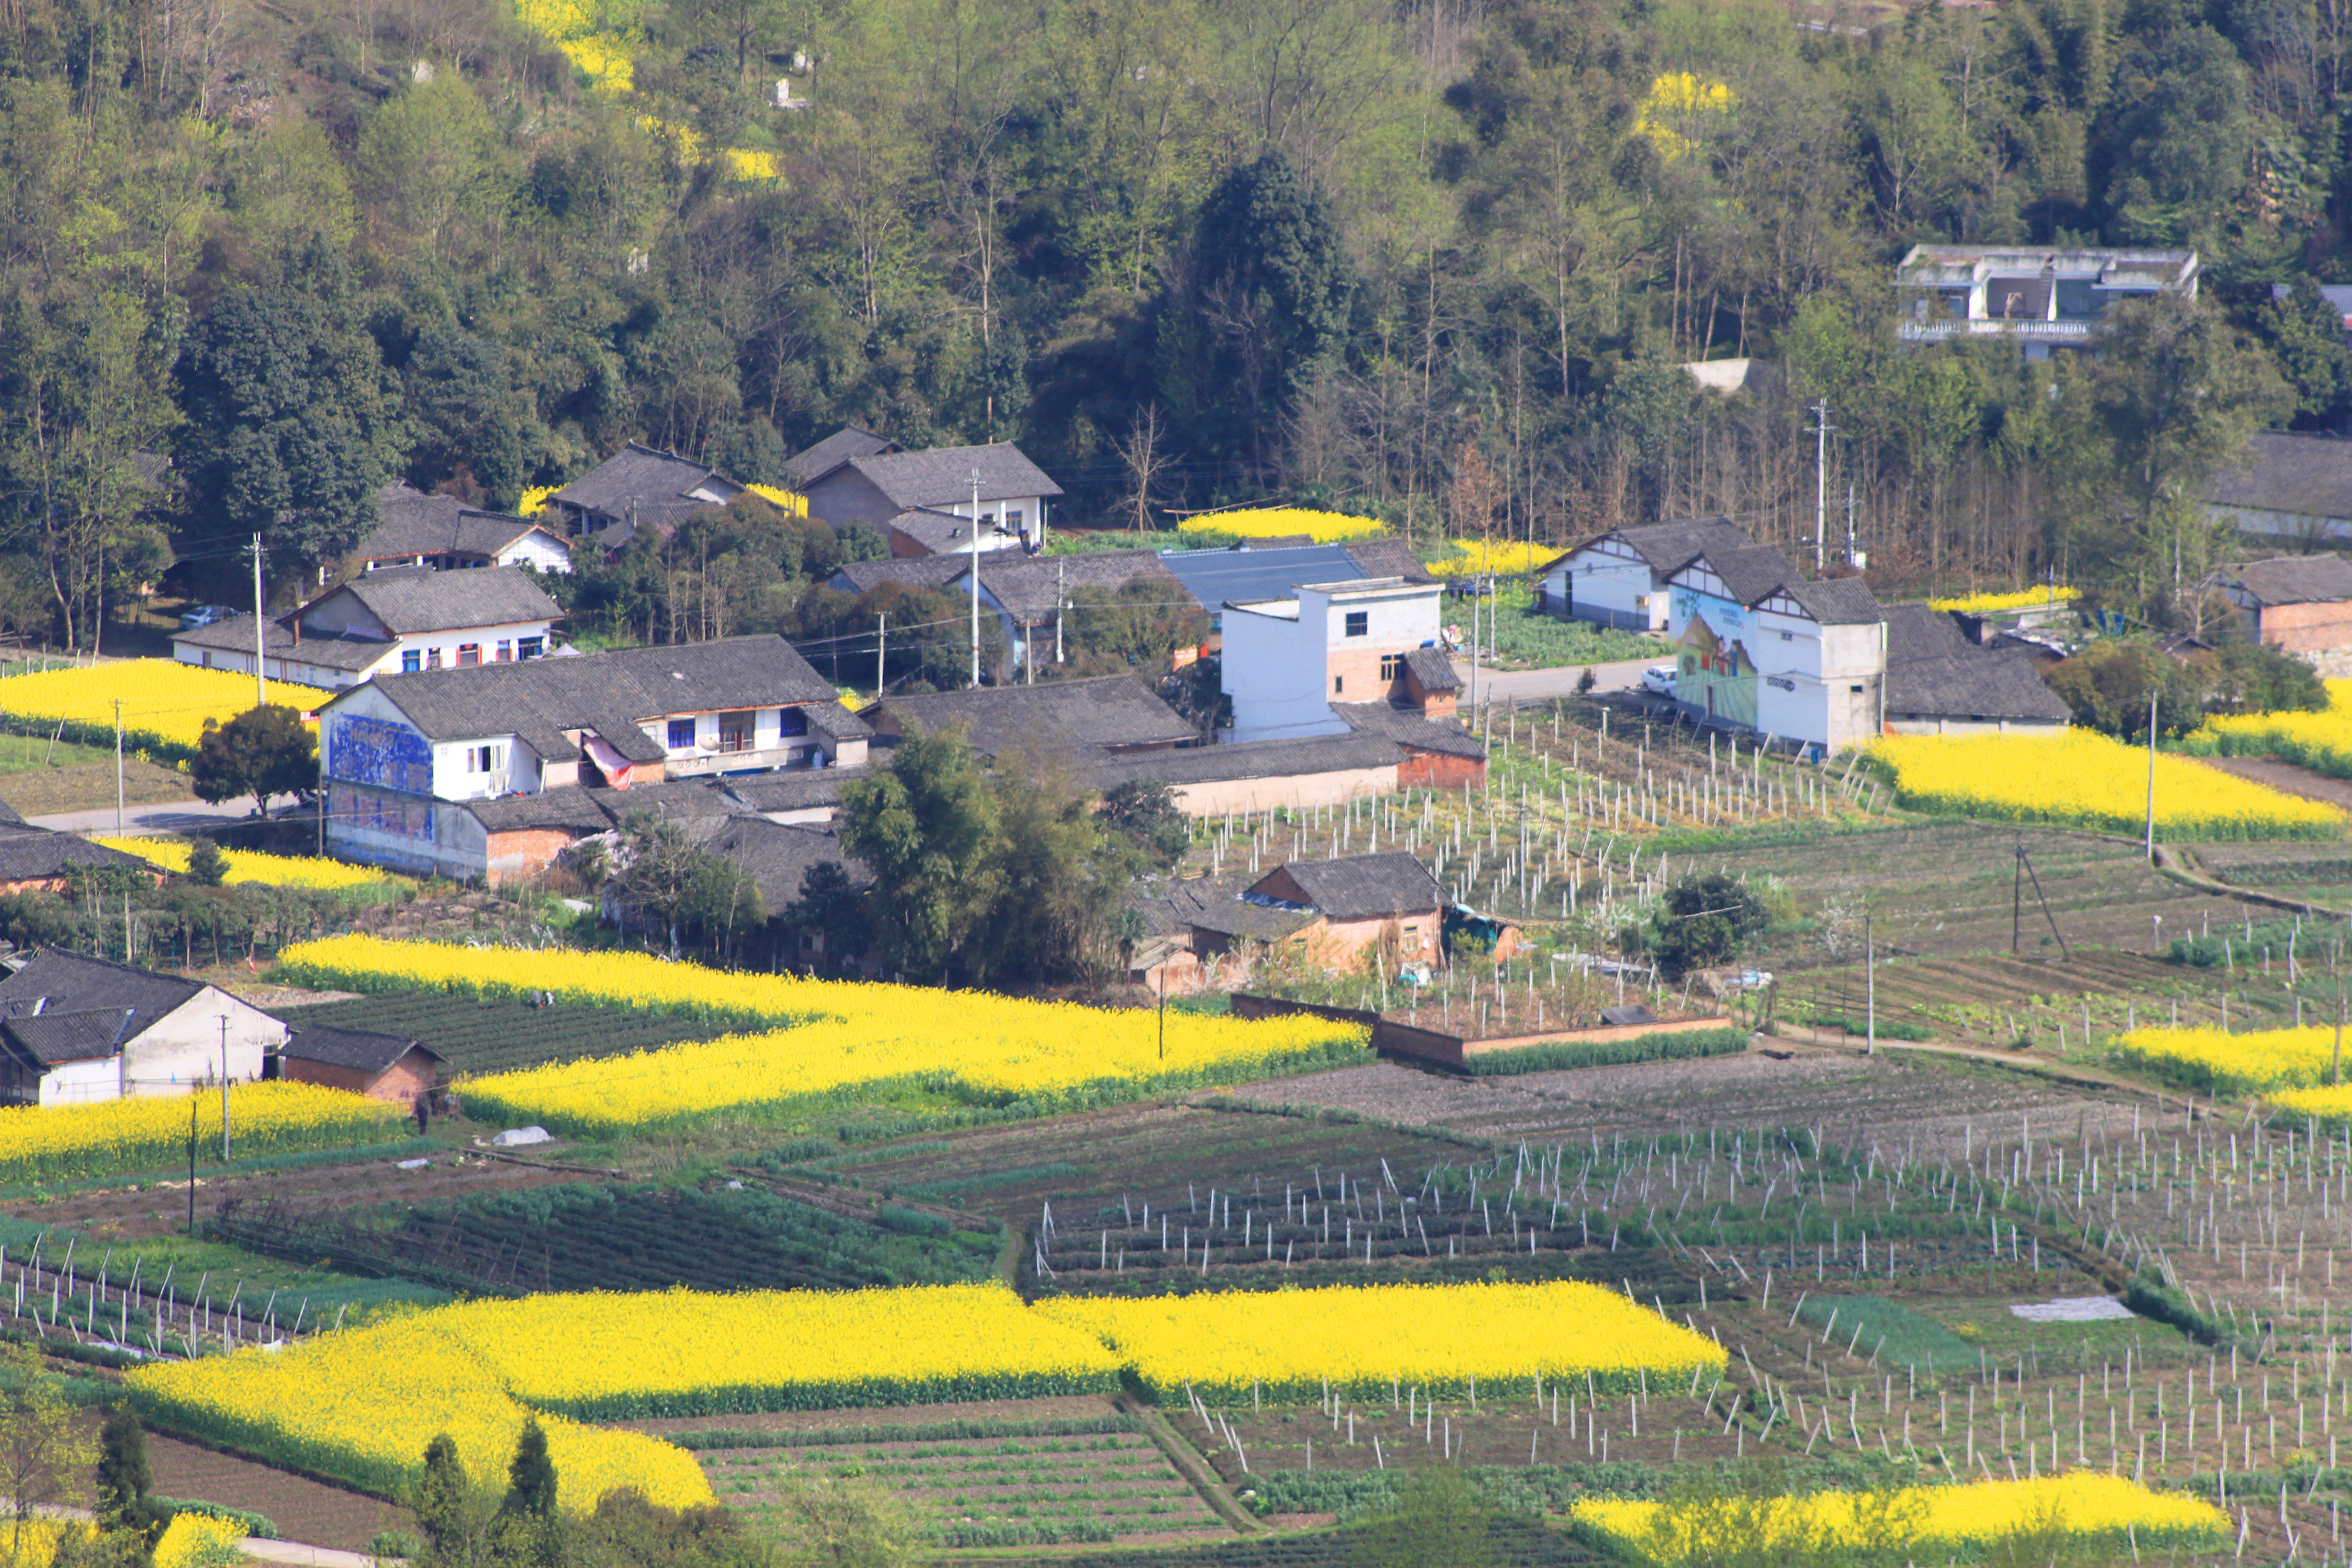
x: 164, y: 702
x: 776, y: 496
x: 1283, y: 522
x: 1950, y: 1519
x: 1366, y: 1339
x: 1507, y: 557
x: 198, y: 1541
x: 2083, y: 779
x: 842, y: 1037
x: 55, y: 1143
x: 1675, y: 99
x: 252, y: 865
x: 534, y: 498
x: 1992, y: 604
x: 360, y: 1404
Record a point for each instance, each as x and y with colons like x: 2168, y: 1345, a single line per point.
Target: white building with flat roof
x: 1287, y: 661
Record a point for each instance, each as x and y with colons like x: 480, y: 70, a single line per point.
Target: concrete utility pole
x: 881, y: 649
x: 118, y: 767
x: 2151, y: 774
x: 260, y: 629
x: 224, y: 1088
x: 975, y: 576
x: 1821, y: 480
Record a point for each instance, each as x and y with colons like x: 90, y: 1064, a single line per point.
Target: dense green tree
x: 1437, y: 1521
x: 2109, y: 684
x: 261, y: 752
x: 2306, y: 337
x: 1147, y: 814
x: 927, y: 828
x: 2177, y: 149
x: 124, y: 1479
x: 1704, y: 919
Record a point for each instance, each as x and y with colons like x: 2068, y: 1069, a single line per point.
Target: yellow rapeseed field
x: 1282, y: 522
x: 2084, y: 779
x: 360, y: 1404
x: 1944, y: 1519
x: 2216, y: 1060
x: 1991, y: 604
x: 1507, y: 557
x: 252, y: 865
x: 197, y: 1539
x: 1368, y: 1339
x: 164, y: 702
x: 998, y: 1050
x: 2320, y: 741
x: 55, y: 1143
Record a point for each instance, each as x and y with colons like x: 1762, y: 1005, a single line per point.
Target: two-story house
x: 402, y: 619
x: 2045, y: 299
x: 927, y: 502
x: 420, y: 770
x: 442, y: 532
x: 1287, y: 661
x: 639, y: 486
x: 1620, y: 578
x: 1027, y: 594
x: 1800, y: 662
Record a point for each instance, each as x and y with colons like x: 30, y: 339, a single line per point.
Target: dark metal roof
x: 1245, y: 576
x: 1067, y: 716
x: 2304, y: 475
x: 2295, y: 580
x: 1297, y: 759
x: 943, y: 475
x: 361, y: 1050
x: 1410, y: 730
x: 641, y: 482
x: 805, y: 468
x: 412, y: 599
x: 59, y: 982
x: 1433, y: 669
x: 1364, y: 887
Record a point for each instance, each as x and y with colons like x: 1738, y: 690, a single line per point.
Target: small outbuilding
x: 391, y: 1067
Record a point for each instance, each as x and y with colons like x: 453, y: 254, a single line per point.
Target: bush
x: 897, y: 1217
x: 2161, y: 1303
x: 1704, y: 920
x: 255, y: 1524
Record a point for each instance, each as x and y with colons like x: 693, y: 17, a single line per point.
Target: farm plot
x: 589, y: 1236
x: 984, y: 1491
x: 499, y: 1035
x: 2000, y: 1001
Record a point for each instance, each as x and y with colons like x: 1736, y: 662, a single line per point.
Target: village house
x: 2045, y: 299
x: 1080, y: 719
x: 1329, y: 911
x: 926, y: 502
x: 390, y: 1067
x: 402, y: 619
x: 2288, y: 490
x: 1287, y: 661
x: 1263, y: 775
x: 1940, y: 682
x: 2298, y: 605
x: 1619, y: 579
x: 1027, y: 595
x: 34, y: 860
x: 639, y: 486
x: 1257, y: 569
x: 443, y: 533
x: 1799, y: 662
x: 489, y: 771
x: 74, y: 1030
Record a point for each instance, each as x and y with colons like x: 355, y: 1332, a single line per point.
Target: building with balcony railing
x: 2046, y: 299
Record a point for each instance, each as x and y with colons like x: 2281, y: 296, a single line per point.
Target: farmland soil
x: 305, y: 1511
x: 1061, y: 1407
x: 2286, y: 777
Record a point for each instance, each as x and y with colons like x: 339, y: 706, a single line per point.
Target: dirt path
x: 2285, y: 777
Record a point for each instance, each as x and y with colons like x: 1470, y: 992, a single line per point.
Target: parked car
x: 202, y: 615
x: 1659, y: 678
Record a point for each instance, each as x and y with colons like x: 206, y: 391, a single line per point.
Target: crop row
x: 500, y: 1035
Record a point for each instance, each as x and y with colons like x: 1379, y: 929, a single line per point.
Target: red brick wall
x: 1439, y: 769
x: 1359, y: 671
x: 400, y: 1084
x: 2309, y: 628
x: 526, y: 850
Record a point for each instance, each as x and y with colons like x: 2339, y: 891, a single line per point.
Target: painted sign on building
x: 373, y: 751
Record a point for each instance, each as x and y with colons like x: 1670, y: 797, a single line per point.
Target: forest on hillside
x: 1436, y: 260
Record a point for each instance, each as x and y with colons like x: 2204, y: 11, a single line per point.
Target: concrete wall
x: 1608, y: 589
x: 1294, y: 789
x: 1931, y: 723
x: 1273, y: 667
x: 184, y: 1048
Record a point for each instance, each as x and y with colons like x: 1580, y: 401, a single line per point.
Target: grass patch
x: 1889, y: 1332
x: 1525, y: 638
x: 1660, y: 1047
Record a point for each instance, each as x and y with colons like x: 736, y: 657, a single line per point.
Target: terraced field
x: 503, y: 1036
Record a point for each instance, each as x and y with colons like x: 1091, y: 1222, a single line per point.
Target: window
x: 1853, y: 688
x: 791, y: 721
x: 1014, y: 518
x: 681, y: 734
x: 1392, y: 666
x: 1788, y: 637
x: 1338, y: 685
x: 530, y: 647
x: 735, y: 731
x: 432, y: 658
x: 468, y: 654
x: 411, y: 661
x: 506, y: 651
x: 481, y: 759
x: 1359, y: 622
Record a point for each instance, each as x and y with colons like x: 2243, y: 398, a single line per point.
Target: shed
x: 394, y: 1066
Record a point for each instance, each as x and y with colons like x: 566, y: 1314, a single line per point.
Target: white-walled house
x: 74, y: 1031
x: 444, y: 533
x: 919, y: 497
x: 1287, y: 661
x: 1800, y: 663
x: 1619, y: 579
x: 429, y: 772
x: 399, y: 621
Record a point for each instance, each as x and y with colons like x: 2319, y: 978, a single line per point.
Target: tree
x: 531, y: 1477
x: 846, y: 1522
x: 830, y: 907
x: 46, y: 1451
x: 455, y: 1515
x: 1061, y: 880
x: 2306, y: 334
x: 207, y: 867
x: 123, y: 1478
x: 1438, y: 1521
x: 1146, y: 813
x: 679, y: 887
x: 927, y: 827
x: 1705, y: 920
x: 261, y: 752
x: 2255, y: 677
x: 426, y: 158
x: 1114, y: 630
x: 2177, y: 149
x: 2108, y: 684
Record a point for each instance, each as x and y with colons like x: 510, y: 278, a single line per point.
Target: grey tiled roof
x: 2295, y: 580
x: 569, y: 808
x: 1250, y: 760
x: 607, y: 692
x: 1067, y: 716
x: 796, y: 790
x: 833, y: 720
x: 31, y: 854
x: 1387, y: 556
x: 1434, y: 669
x: 943, y: 475
x: 64, y: 982
x: 1669, y: 547
x: 416, y: 599
x: 1215, y: 904
x: 52, y: 1038
x: 1410, y: 730
x: 2307, y: 475
x: 1836, y: 601
x: 1932, y: 672
x: 913, y: 572
x: 362, y: 1050
x: 944, y: 533
x: 8, y: 817
x: 1366, y: 887
x: 778, y: 855
x: 1752, y: 572
x: 234, y: 635
x: 805, y: 468
x: 417, y: 524
x: 656, y: 486
x: 1916, y: 631
x: 1026, y: 585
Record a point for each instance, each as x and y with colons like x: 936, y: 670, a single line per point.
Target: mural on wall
x: 373, y: 751
x: 363, y: 811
